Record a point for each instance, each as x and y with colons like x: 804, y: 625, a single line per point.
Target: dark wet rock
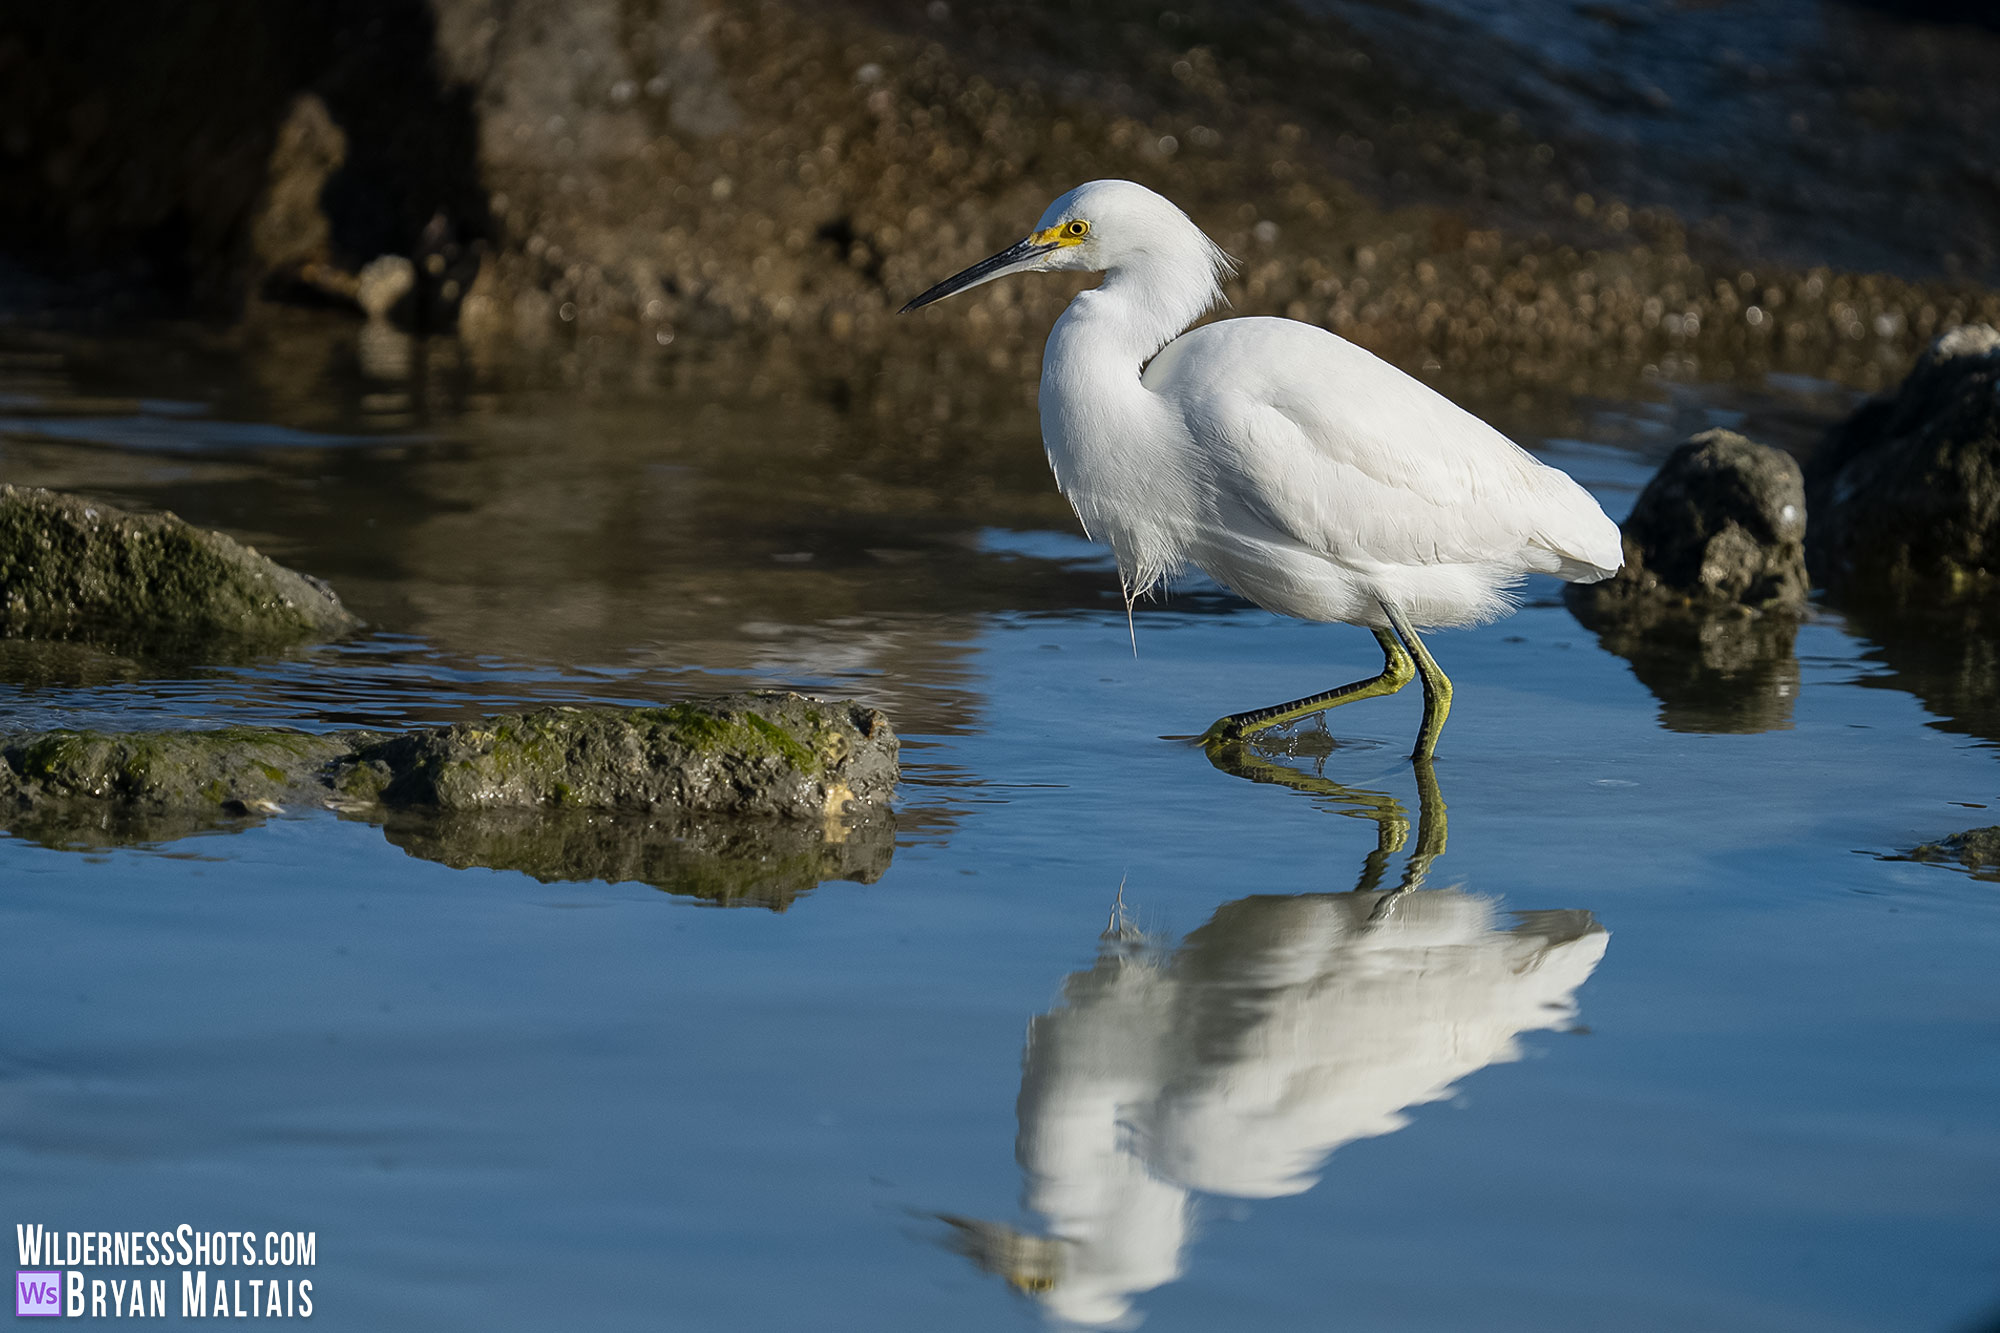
x: 814, y: 166
x: 740, y: 798
x: 1906, y: 492
x: 748, y: 861
x: 1978, y: 850
x: 72, y: 568
x: 1708, y: 603
x: 1721, y: 524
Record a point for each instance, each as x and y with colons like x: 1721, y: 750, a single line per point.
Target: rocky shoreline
x: 669, y: 173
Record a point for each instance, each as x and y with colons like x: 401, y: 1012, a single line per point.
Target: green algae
x: 783, y: 743
x: 750, y: 734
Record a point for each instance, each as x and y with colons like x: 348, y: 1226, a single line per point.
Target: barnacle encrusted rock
x: 1906, y: 491
x: 1714, y: 582
x: 72, y: 568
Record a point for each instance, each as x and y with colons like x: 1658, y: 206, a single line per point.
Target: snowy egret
x: 1291, y: 466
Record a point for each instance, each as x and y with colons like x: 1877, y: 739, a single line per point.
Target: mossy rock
x: 772, y: 754
x: 228, y: 770
x: 768, y: 754
x: 72, y: 568
x: 745, y: 798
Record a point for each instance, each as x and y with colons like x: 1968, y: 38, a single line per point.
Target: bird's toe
x: 1224, y: 731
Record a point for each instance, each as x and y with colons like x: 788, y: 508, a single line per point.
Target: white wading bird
x: 1288, y: 464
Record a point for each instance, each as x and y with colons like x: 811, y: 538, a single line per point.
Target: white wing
x: 1332, y: 448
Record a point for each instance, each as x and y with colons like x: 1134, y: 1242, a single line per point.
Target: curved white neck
x: 1110, y: 439
x: 1144, y: 303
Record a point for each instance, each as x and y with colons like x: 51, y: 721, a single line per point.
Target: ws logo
x: 38, y: 1293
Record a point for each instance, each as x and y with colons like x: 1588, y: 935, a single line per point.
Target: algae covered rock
x: 772, y: 754
x: 72, y: 568
x: 1906, y: 491
x: 1721, y: 524
x: 744, y: 798
x: 235, y: 769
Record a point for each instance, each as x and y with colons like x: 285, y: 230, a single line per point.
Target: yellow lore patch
x: 1063, y: 234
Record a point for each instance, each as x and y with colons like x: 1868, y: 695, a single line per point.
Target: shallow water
x: 1652, y: 1036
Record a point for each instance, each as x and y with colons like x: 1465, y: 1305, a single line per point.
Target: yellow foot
x: 1225, y: 731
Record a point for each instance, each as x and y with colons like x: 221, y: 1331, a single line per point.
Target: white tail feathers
x: 1587, y: 545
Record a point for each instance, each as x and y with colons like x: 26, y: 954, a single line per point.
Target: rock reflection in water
x: 737, y: 862
x: 1234, y: 1063
x: 1725, y: 672
x: 728, y: 861
x: 1948, y: 656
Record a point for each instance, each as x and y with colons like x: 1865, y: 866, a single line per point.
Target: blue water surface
x: 1735, y: 1069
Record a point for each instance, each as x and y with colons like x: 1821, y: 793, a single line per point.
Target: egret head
x: 1102, y: 227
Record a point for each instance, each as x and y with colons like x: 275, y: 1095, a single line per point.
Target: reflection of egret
x: 1232, y: 1065
x: 1287, y: 463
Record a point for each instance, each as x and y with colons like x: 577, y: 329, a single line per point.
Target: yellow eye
x: 1078, y: 228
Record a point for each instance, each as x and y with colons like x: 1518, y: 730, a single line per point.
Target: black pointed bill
x: 1013, y: 259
